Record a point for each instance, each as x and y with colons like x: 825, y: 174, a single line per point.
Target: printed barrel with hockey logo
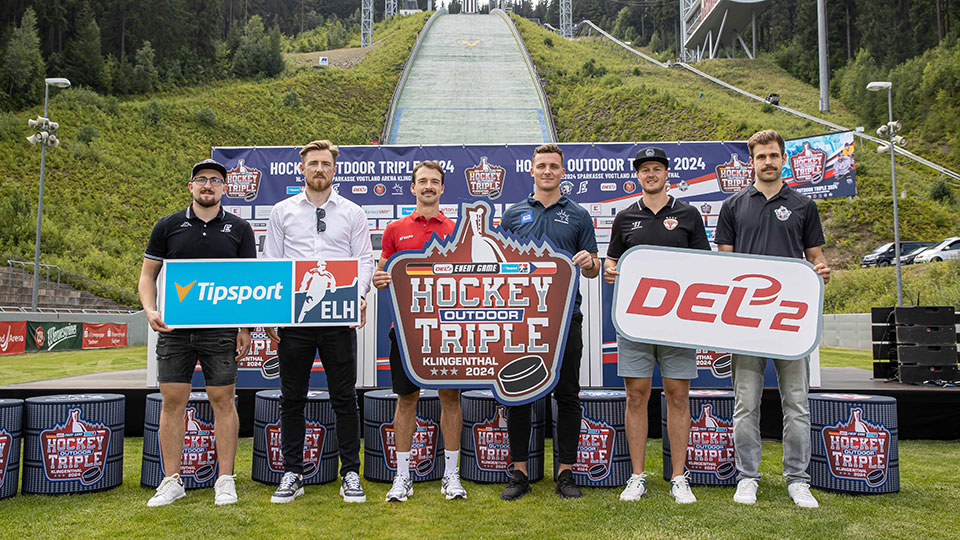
x: 198, y: 460
x: 603, y: 457
x: 709, y: 454
x: 853, y: 441
x: 379, y: 448
x: 320, y: 450
x: 11, y: 431
x: 485, y: 445
x: 73, y: 443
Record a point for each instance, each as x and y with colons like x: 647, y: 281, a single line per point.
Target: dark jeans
x: 337, y: 346
x: 215, y: 348
x: 567, y: 394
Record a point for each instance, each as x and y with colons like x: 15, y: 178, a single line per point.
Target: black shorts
x: 215, y: 348
x: 402, y: 385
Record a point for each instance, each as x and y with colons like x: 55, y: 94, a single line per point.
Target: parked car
x: 910, y: 258
x: 886, y: 254
x: 944, y: 251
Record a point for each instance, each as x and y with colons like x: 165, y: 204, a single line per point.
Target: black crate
x: 884, y: 351
x: 885, y: 370
x: 927, y: 355
x: 883, y: 333
x: 927, y: 315
x: 919, y: 374
x: 927, y: 335
x: 881, y: 315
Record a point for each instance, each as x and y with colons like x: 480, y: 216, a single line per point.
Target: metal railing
x: 11, y: 264
x: 906, y: 153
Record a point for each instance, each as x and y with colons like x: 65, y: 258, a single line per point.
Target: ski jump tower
x: 711, y: 26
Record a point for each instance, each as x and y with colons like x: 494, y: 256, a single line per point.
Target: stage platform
x: 923, y: 411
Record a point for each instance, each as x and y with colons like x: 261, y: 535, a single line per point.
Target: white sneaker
x: 451, y: 488
x: 800, y: 493
x: 680, y: 489
x: 401, y: 489
x: 225, y: 490
x: 746, y: 491
x: 169, y: 490
x: 636, y: 487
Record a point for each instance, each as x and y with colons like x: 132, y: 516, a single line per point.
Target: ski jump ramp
x: 469, y: 80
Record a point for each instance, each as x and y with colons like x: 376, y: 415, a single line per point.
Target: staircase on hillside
x: 16, y: 291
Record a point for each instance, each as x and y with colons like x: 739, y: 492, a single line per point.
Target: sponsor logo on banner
x: 808, y: 165
x: 423, y: 449
x: 566, y: 187
x: 6, y: 441
x: 857, y: 449
x: 595, y: 449
x: 49, y: 335
x: 710, y: 448
x: 719, y: 363
x: 397, y: 190
x: 358, y: 190
x: 262, y: 356
x: 199, y: 457
x: 705, y: 208
x: 380, y: 190
x: 491, y: 442
x: 243, y: 182
x: 719, y: 301
x: 480, y: 309
x: 241, y: 292
x: 629, y: 186
x: 104, y: 335
x: 608, y: 186
x: 485, y: 180
x: 734, y: 175
x: 312, y: 448
x: 75, y: 450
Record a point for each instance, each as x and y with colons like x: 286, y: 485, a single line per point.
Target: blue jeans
x: 793, y: 378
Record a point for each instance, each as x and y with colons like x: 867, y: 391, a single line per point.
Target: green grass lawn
x: 50, y: 365
x: 920, y: 510
x: 41, y: 366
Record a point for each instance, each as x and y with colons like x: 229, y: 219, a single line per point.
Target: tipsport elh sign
x: 747, y: 304
x: 211, y: 293
x: 482, y: 309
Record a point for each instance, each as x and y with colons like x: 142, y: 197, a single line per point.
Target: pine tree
x: 83, y: 55
x: 22, y: 71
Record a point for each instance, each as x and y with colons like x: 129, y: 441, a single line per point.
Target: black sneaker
x: 517, y: 487
x: 291, y: 487
x: 567, y: 486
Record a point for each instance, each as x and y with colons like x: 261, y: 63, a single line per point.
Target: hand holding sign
x: 749, y: 304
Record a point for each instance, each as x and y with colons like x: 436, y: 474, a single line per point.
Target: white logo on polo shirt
x: 782, y: 213
x: 636, y: 225
x: 185, y: 224
x: 562, y: 217
x: 226, y: 228
x: 405, y: 237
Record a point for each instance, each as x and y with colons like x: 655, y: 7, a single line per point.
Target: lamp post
x: 45, y: 137
x: 891, y: 129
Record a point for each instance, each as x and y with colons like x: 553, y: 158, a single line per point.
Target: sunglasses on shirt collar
x: 321, y: 225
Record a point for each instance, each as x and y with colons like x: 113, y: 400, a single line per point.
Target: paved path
x: 131, y: 378
x: 469, y: 84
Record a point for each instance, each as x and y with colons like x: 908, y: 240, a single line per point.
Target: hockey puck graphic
x: 877, y: 477
x: 725, y: 470
x: 270, y: 367
x: 597, y: 472
x: 424, y: 467
x: 721, y: 367
x: 523, y: 374
x: 203, y: 473
x: 309, y: 468
x: 90, y: 476
x: 250, y: 197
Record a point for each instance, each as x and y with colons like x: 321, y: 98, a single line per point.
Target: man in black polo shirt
x: 657, y: 219
x: 769, y: 218
x: 548, y: 213
x: 202, y: 231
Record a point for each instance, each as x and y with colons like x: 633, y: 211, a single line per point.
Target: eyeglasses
x: 201, y: 180
x: 321, y: 226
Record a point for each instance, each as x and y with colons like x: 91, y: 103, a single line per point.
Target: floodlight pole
x: 36, y: 243
x: 893, y: 176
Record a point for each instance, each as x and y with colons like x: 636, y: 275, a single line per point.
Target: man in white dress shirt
x: 319, y: 224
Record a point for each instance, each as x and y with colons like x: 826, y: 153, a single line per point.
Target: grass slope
x: 102, y: 197
x: 926, y: 490
x: 618, y: 99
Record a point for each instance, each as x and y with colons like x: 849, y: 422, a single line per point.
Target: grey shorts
x: 637, y: 360
x: 215, y: 348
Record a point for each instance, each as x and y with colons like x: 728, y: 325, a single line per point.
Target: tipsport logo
x: 75, y: 450
x: 313, y: 438
x: 423, y: 447
x: 245, y: 292
x: 857, y: 449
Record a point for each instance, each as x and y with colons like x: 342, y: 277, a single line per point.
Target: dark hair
x: 766, y: 136
x: 430, y: 165
x: 548, y: 148
x: 320, y: 145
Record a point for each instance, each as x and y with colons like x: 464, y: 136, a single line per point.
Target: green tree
x: 22, y: 71
x: 145, y: 76
x: 83, y: 54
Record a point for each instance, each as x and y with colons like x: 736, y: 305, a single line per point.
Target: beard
x: 318, y: 183
x: 207, y: 202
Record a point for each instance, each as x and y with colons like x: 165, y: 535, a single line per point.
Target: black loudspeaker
x: 919, y: 374
x: 925, y: 315
x: 927, y: 335
x: 885, y: 370
x: 927, y: 355
x: 881, y: 315
x: 884, y: 352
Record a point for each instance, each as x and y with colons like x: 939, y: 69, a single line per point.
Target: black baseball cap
x: 209, y: 164
x: 651, y: 153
